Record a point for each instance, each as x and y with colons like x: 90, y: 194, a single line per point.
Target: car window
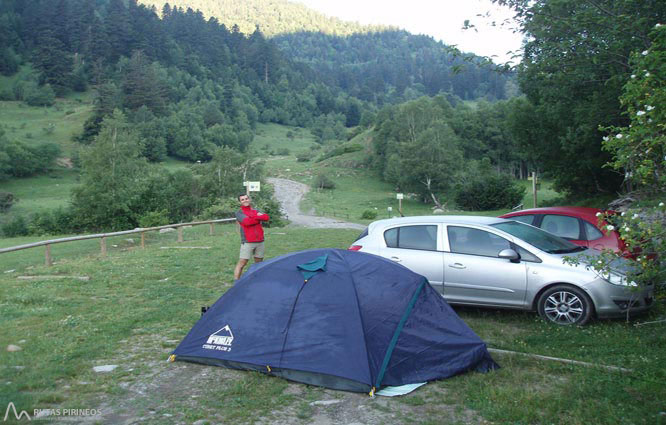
x: 539, y: 238
x: 592, y: 232
x: 412, y: 237
x: 525, y: 255
x: 391, y: 237
x: 562, y: 226
x: 527, y: 219
x: 464, y: 240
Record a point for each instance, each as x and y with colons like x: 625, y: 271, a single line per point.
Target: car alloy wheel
x: 565, y: 305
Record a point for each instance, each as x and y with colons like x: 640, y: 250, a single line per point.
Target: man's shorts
x: 251, y: 249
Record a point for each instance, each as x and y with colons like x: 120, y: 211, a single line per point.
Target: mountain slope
x: 272, y: 16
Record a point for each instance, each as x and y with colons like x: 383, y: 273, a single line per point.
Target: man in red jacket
x: 251, y: 232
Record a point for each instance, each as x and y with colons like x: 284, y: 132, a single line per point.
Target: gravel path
x: 290, y: 193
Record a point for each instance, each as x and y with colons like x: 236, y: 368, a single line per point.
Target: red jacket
x: 250, y: 223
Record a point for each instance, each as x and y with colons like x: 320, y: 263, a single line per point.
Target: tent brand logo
x: 17, y: 416
x: 220, y: 340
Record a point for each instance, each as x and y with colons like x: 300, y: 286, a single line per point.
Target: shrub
x: 16, y: 226
x: 51, y: 222
x: 222, y: 208
x: 489, y: 192
x: 39, y: 96
x: 369, y: 215
x: 283, y: 151
x: 154, y: 218
x: 322, y: 181
x: 304, y: 156
x: 49, y: 129
x: 7, y: 199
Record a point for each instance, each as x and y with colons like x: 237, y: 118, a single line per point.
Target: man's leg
x: 258, y: 260
x: 239, y: 268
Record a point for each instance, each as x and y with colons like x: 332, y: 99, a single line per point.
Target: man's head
x: 244, y: 200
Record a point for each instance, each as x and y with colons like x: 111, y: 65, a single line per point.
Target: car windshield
x: 539, y: 238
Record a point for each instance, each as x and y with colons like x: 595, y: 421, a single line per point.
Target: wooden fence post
x: 180, y: 233
x: 143, y: 240
x: 102, y: 244
x: 212, y: 228
x: 49, y: 263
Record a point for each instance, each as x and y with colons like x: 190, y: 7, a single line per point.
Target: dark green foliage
x: 7, y: 199
x: 322, y: 181
x: 489, y: 192
x: 142, y: 85
x: 20, y: 160
x: 340, y: 150
x: 575, y: 63
x: 112, y: 175
x: 9, y: 61
x: 154, y: 218
x: 304, y: 156
x: 392, y: 66
x: 16, y: 226
x: 52, y: 222
x: 35, y: 95
x: 369, y: 215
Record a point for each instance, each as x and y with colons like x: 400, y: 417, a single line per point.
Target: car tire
x: 565, y: 305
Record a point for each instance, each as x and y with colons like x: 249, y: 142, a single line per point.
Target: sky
x: 441, y: 19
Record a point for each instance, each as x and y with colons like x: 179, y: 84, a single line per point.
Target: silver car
x: 493, y: 262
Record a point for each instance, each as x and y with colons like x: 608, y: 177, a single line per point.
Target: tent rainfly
x: 338, y: 319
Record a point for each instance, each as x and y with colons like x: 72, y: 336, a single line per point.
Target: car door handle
x: 457, y: 266
x: 396, y: 259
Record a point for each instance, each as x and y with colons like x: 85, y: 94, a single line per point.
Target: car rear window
x: 562, y: 226
x: 527, y: 219
x: 412, y: 237
x: 592, y: 232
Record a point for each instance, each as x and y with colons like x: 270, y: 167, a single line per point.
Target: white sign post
x: 251, y: 187
x: 399, y: 196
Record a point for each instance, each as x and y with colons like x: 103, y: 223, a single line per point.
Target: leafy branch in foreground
x: 640, y: 148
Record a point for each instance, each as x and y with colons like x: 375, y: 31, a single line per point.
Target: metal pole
x: 534, y: 188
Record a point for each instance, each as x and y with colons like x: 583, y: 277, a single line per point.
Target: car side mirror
x: 509, y: 254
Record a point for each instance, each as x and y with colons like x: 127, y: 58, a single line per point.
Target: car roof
x: 575, y: 211
x: 446, y: 219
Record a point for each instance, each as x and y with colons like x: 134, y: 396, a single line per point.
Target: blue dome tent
x: 339, y: 319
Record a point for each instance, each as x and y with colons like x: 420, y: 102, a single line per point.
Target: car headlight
x: 617, y: 279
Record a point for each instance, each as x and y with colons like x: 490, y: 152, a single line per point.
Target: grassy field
x: 56, y: 124
x: 138, y: 304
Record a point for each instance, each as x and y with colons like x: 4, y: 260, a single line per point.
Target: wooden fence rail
x: 103, y: 236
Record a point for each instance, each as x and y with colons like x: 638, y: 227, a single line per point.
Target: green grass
x: 138, y: 304
x: 42, y: 192
x: 29, y: 124
x: 273, y: 137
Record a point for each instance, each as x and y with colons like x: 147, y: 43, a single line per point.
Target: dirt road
x: 290, y: 193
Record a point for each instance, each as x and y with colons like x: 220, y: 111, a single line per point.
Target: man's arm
x: 245, y: 220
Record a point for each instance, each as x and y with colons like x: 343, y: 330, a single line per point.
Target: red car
x: 577, y: 224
